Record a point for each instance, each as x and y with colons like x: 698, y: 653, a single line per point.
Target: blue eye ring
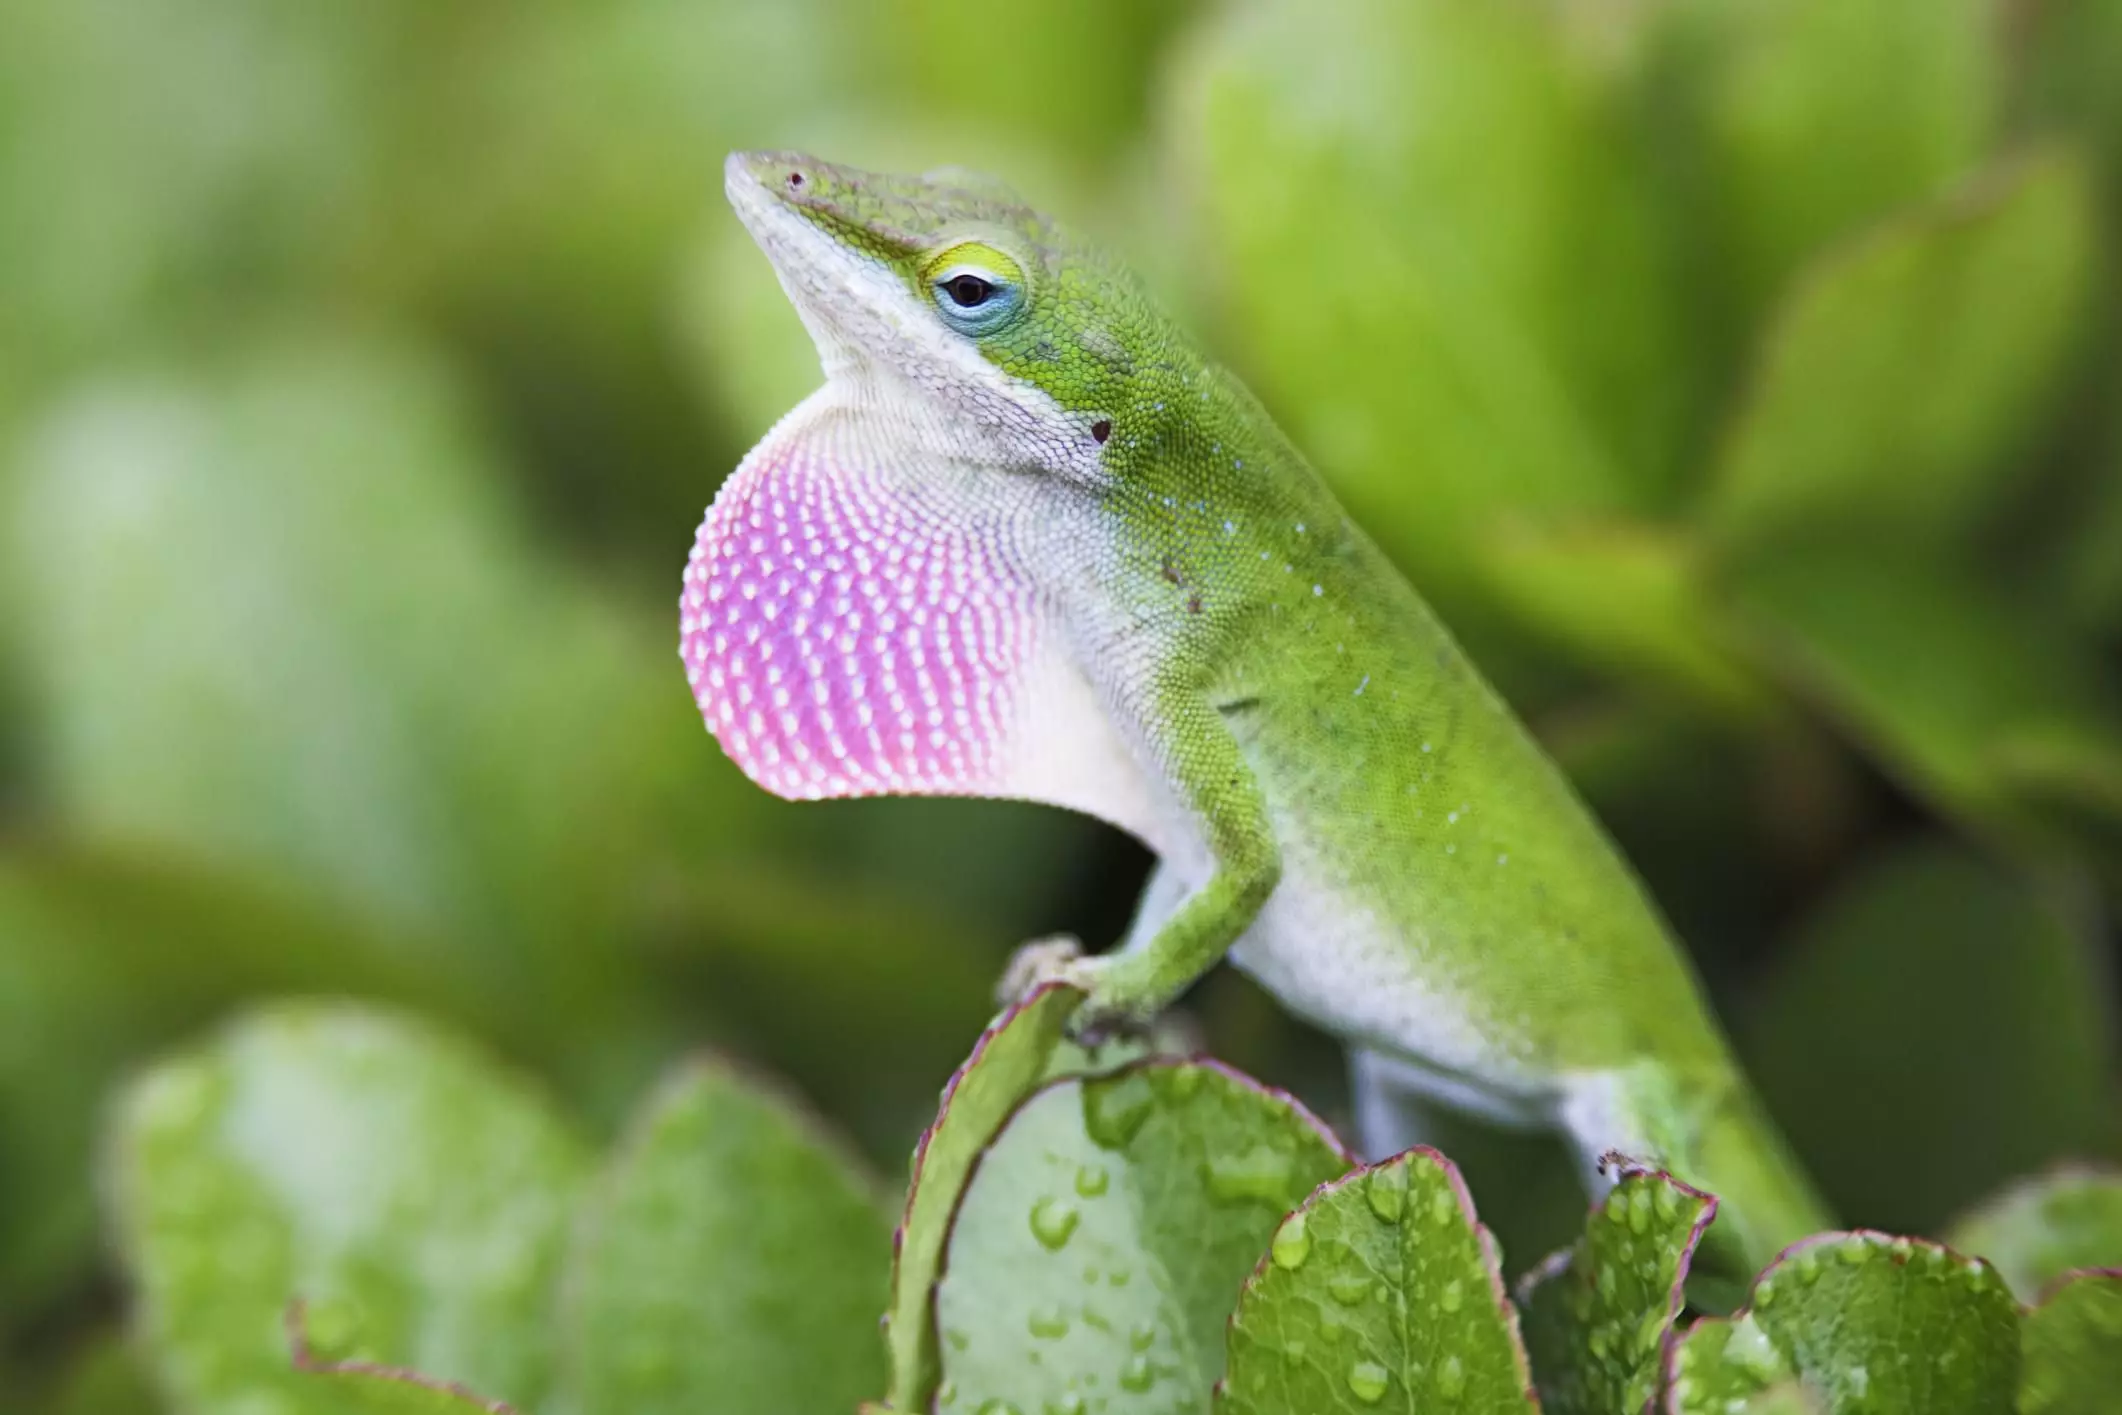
x: 976, y: 300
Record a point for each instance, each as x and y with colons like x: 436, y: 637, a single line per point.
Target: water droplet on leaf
x: 1292, y: 1244
x: 1387, y: 1191
x: 1349, y: 1288
x: 1260, y: 1175
x: 1367, y: 1381
x: 1114, y: 1107
x: 1053, y: 1221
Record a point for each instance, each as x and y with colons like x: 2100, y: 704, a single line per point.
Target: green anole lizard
x: 1027, y: 541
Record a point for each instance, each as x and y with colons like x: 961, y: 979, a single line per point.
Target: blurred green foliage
x: 1740, y: 378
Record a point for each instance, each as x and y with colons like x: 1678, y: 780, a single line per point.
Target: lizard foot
x: 1110, y: 1008
x: 1054, y: 959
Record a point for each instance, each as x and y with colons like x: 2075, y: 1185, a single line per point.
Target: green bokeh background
x: 1740, y: 378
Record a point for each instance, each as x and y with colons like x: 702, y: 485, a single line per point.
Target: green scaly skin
x: 1220, y: 662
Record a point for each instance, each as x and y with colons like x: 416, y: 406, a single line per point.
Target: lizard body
x: 1027, y: 541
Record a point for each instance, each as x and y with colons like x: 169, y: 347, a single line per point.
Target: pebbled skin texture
x: 1098, y: 575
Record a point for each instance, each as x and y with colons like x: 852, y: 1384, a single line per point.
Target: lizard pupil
x: 968, y: 291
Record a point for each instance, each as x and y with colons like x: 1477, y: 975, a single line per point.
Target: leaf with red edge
x: 1107, y: 1231
x: 1599, y: 1315
x: 2042, y: 1228
x: 1020, y: 1050
x: 1860, y: 1321
x: 371, y: 1389
x: 1383, y: 1291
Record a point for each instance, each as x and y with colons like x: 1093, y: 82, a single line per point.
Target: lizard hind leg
x: 1398, y: 1104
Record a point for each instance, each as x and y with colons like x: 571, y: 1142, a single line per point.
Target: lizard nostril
x: 795, y: 179
x: 1101, y: 429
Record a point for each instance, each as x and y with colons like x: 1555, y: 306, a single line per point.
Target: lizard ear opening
x: 842, y: 639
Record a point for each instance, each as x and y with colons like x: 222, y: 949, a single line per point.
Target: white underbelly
x: 1333, y: 961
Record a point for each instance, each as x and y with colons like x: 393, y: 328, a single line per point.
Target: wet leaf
x: 1103, y: 1239
x: 2039, y: 1229
x: 1935, y: 1028
x: 1020, y: 1049
x: 1597, y: 1315
x: 412, y: 1195
x: 1901, y: 377
x: 1383, y: 1291
x: 1863, y: 1321
x: 732, y: 1260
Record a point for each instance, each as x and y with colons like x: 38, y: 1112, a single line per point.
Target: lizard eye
x: 967, y: 290
x: 977, y: 290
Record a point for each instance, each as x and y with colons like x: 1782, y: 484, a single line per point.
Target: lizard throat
x: 843, y: 640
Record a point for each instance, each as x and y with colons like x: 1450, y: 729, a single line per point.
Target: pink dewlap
x: 842, y: 643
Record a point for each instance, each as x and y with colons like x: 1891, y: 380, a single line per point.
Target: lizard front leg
x: 1179, y: 933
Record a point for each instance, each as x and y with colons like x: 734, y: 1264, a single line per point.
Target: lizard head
x: 885, y: 596
x: 965, y: 302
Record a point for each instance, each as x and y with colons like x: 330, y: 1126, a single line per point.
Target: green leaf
x: 1025, y: 1046
x: 1628, y: 599
x: 1105, y: 1234
x: 1947, y: 682
x: 733, y: 1260
x: 1936, y: 1027
x: 106, y: 956
x: 1450, y: 338
x: 366, y: 1388
x: 1904, y: 374
x: 2040, y: 1229
x: 1597, y: 1315
x: 2073, y: 1348
x: 1866, y: 1322
x: 104, y: 1377
x: 1809, y: 119
x: 1732, y: 1368
x: 1382, y: 1291
x: 412, y: 1194
x: 352, y: 678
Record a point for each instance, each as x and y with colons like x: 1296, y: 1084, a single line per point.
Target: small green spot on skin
x: 1053, y: 1221
x: 998, y: 1407
x: 1451, y: 1378
x: 1070, y: 1404
x: 1092, y: 1180
x: 1184, y: 1080
x: 1452, y: 1297
x: 1138, y: 1374
x: 1368, y: 1382
x: 1442, y: 1206
x: 1292, y: 1245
